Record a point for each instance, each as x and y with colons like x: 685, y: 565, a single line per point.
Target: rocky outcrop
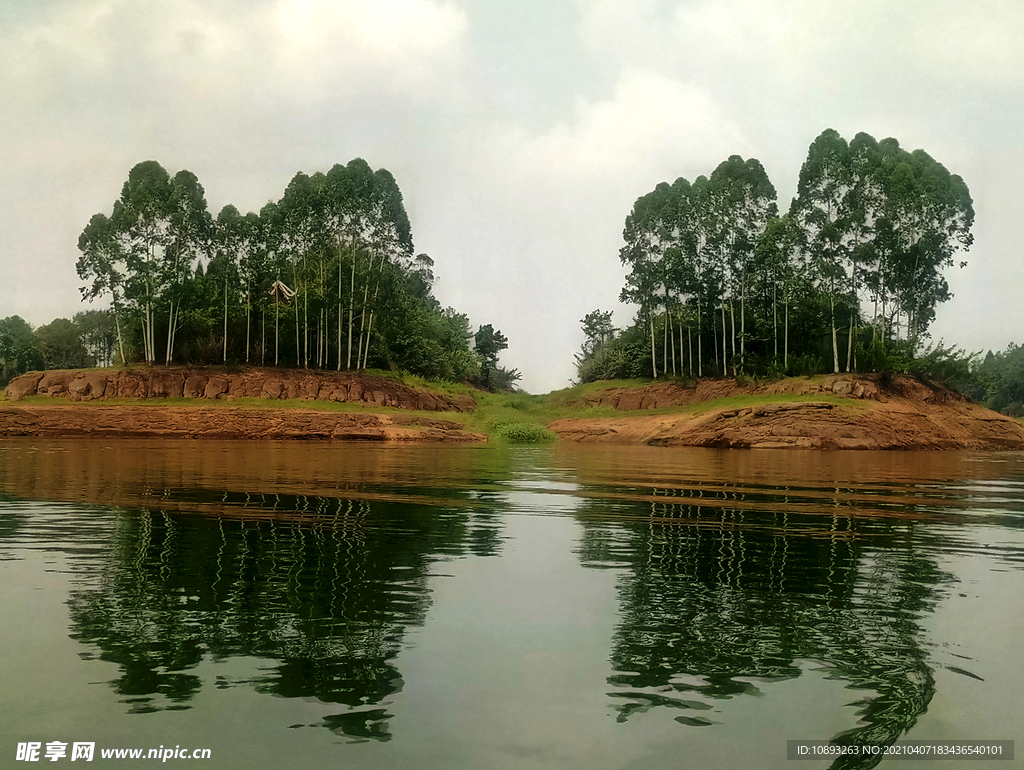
x: 874, y: 412
x: 872, y: 387
x: 225, y: 423
x: 223, y: 384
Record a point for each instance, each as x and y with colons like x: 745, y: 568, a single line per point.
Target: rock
x: 54, y: 383
x: 87, y: 386
x: 272, y: 389
x: 166, y: 385
x: 195, y: 386
x: 22, y: 386
x: 216, y: 387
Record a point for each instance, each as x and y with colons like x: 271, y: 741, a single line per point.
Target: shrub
x: 524, y: 433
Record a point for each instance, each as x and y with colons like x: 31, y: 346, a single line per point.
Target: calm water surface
x: 359, y: 606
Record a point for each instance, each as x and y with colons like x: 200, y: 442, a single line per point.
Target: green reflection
x: 325, y: 600
x: 715, y: 595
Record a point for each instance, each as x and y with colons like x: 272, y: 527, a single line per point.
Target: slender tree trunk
x: 689, y: 345
x: 277, y: 335
x: 725, y: 350
x: 298, y: 323
x: 714, y: 336
x: 743, y: 322
x: 654, y: 363
x: 664, y: 346
x: 248, y: 324
x: 263, y: 339
x: 775, y: 320
x: 170, y: 335
x: 340, y: 314
x: 785, y: 343
x: 835, y: 348
x: 700, y: 351
x: 732, y: 320
x: 351, y: 300
x: 849, y: 346
x: 225, y: 319
x: 120, y: 341
x: 672, y: 345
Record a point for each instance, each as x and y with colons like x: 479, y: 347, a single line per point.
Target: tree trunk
x: 664, y: 346
x: 785, y: 342
x: 654, y: 363
x: 725, y: 349
x: 849, y: 346
x: 248, y: 324
x: 743, y: 322
x: 351, y: 299
x: 700, y: 351
x: 775, y: 320
x: 689, y: 345
x: 732, y: 320
x: 225, y: 319
x: 671, y: 340
x: 835, y: 349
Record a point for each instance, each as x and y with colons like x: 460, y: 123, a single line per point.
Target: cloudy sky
x: 520, y: 132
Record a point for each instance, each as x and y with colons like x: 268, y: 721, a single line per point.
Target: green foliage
x: 848, y: 279
x: 187, y: 288
x: 18, y: 350
x: 524, y: 433
x: 61, y: 347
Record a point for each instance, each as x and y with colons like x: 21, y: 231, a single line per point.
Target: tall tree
x: 489, y: 343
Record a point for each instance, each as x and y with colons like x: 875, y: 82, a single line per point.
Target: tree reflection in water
x: 714, y: 595
x: 325, y: 597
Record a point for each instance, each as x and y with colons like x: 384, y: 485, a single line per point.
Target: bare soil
x: 861, y: 412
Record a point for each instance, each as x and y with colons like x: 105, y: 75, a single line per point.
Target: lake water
x: 374, y: 606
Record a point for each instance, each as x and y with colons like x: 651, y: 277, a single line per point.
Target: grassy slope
x: 515, y: 417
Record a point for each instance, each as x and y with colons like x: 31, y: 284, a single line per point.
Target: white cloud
x: 650, y: 122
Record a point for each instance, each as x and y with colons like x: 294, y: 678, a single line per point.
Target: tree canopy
x: 848, y: 278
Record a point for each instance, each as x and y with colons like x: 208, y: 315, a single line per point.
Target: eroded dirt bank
x: 863, y: 412
x: 208, y: 384
x: 224, y: 423
x: 225, y: 384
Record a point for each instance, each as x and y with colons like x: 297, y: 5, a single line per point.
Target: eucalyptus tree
x: 820, y: 209
x: 646, y: 233
x: 928, y: 216
x: 774, y: 255
x: 743, y: 202
x: 190, y: 236
x: 102, y: 266
x: 390, y: 237
x: 141, y: 222
x: 232, y: 243
x: 299, y: 207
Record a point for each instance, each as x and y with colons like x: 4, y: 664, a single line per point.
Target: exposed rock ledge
x: 217, y: 383
x: 876, y: 413
x: 224, y: 423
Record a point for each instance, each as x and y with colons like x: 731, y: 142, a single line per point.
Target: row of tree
x: 853, y: 271
x: 326, y: 277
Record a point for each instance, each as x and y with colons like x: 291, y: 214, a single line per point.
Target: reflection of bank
x: 325, y: 598
x: 715, y: 593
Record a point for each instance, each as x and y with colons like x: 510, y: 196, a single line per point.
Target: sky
x: 519, y: 132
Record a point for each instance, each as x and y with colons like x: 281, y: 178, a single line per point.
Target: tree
x: 489, y: 343
x: 18, y: 351
x: 103, y: 266
x: 141, y: 222
x: 60, y: 345
x: 189, y: 238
